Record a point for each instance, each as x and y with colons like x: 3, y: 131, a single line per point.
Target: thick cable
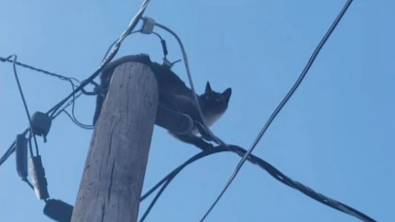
x: 167, y: 179
x: 113, y: 52
x: 52, y: 111
x: 275, y: 173
x: 61, y: 77
x: 281, y: 105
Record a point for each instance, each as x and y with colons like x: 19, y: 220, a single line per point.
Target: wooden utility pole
x: 114, y: 171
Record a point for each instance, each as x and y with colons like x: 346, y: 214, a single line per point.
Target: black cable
x: 61, y: 77
x: 167, y: 182
x: 69, y: 79
x: 278, y: 175
x: 281, y: 105
x: 76, y: 122
x: 52, y: 111
x: 167, y: 179
x: 268, y: 168
x: 108, y: 58
x: 24, y: 101
x: 71, y: 102
x: 11, y: 149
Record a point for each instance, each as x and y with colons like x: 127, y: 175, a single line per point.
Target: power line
x: 61, y: 77
x: 69, y: 79
x: 56, y: 110
x: 281, y: 105
x: 113, y: 52
x: 53, y: 111
x: 275, y: 173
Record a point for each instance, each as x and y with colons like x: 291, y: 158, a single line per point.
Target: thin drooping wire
x: 281, y: 105
x: 184, y: 54
x: 76, y: 122
x: 167, y: 179
x: 69, y: 79
x: 61, y: 77
x: 72, y: 116
x: 53, y: 111
x: 275, y: 173
x: 24, y: 102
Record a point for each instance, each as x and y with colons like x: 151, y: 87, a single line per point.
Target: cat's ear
x: 208, y: 88
x: 226, y: 94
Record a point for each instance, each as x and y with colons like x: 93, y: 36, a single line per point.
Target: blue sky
x: 334, y: 135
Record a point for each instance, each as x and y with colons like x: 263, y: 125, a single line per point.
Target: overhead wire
x: 61, y: 77
x: 72, y: 115
x: 53, y: 111
x: 281, y: 105
x: 69, y: 79
x: 274, y: 172
x: 224, y: 147
x: 109, y: 57
x: 76, y: 122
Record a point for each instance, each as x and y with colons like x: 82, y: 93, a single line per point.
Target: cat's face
x: 216, y: 102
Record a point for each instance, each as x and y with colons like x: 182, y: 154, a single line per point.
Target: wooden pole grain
x: 114, y: 171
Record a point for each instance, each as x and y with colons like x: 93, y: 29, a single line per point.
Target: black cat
x: 174, y: 96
